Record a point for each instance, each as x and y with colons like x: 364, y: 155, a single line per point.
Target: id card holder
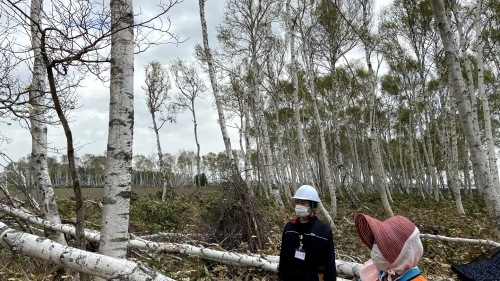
x: 300, y: 254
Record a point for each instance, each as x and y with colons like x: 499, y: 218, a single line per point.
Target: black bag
x: 485, y: 267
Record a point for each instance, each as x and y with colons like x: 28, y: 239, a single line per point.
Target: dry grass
x: 188, y: 214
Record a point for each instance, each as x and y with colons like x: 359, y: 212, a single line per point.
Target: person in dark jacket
x: 307, y: 251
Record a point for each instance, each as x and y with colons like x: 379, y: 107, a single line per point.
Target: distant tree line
x: 181, y: 170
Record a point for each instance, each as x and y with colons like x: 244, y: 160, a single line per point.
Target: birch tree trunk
x: 492, y: 159
x: 469, y: 123
x: 40, y: 170
x: 248, y: 148
x: 161, y: 162
x: 395, y: 177
x: 339, y: 167
x: 117, y: 187
x: 404, y: 179
x: 468, y: 70
x: 286, y: 183
x: 414, y: 175
x: 356, y: 166
x: 453, y: 160
x: 431, y: 173
x: 379, y: 175
x: 215, y: 89
x: 198, y: 157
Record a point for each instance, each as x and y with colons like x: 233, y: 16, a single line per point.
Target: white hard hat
x: 307, y: 192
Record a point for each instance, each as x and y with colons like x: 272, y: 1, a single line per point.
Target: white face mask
x: 378, y: 259
x: 301, y: 211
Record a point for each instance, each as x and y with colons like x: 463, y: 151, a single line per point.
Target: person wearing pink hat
x: 395, y: 247
x: 307, y: 251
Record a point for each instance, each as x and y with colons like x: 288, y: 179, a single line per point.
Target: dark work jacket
x: 317, y: 242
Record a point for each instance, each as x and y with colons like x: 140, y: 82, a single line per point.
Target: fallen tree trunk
x: 461, y: 240
x: 76, y: 259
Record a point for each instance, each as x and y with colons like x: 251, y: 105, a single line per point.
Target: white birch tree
x: 187, y: 79
x: 157, y: 87
x: 117, y: 188
x: 38, y: 115
x: 208, y: 59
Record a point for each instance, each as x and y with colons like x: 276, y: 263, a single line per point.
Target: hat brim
x: 365, y: 226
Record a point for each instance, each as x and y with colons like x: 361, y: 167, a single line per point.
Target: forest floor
x: 194, y: 211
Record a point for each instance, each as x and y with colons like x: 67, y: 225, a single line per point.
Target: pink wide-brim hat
x: 389, y: 235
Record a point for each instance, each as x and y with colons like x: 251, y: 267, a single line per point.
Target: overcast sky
x: 90, y: 121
